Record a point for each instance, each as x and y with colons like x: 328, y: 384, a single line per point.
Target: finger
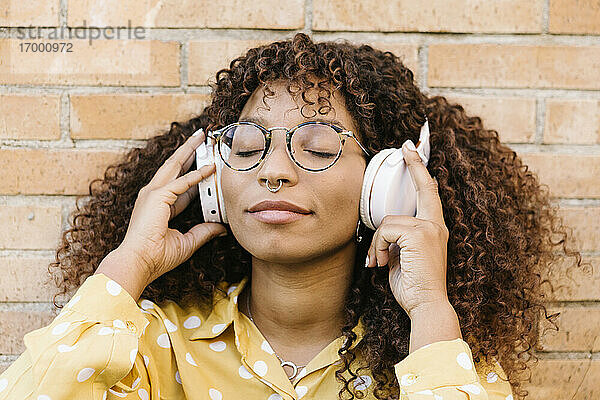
x: 188, y: 163
x: 185, y: 182
x: 394, y: 255
x: 389, y: 237
x: 183, y: 201
x: 386, y: 235
x: 429, y: 205
x: 198, y: 235
x: 174, y: 165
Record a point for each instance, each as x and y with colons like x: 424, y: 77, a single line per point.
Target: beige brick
x: 578, y: 330
x: 27, y: 279
x: 53, y: 171
x: 584, y: 222
x: 572, y: 121
x: 407, y: 52
x: 30, y: 117
x: 268, y: 14
x: 105, y: 62
x: 568, y: 16
x: 512, y: 117
x: 514, y: 66
x: 208, y: 56
x: 29, y: 13
x: 42, y: 231
x: 16, y: 324
x: 567, y: 175
x: 578, y: 284
x: 564, y: 379
x: 131, y: 116
x: 433, y: 16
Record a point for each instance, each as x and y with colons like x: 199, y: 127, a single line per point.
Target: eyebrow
x: 262, y: 122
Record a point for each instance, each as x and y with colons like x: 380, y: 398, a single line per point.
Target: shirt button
x: 131, y: 326
x: 408, y: 379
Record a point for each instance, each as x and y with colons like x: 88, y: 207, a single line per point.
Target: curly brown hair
x: 500, y: 218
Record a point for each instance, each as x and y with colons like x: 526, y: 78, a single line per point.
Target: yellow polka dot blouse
x: 104, y: 345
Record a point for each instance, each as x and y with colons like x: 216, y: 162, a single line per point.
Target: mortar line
x: 545, y: 16
x: 540, y: 120
x: 63, y: 13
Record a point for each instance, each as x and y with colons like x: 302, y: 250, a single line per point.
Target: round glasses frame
x: 267, y: 132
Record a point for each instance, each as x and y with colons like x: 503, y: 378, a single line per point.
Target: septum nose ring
x: 273, y: 190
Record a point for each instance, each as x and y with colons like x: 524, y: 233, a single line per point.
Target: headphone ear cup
x: 210, y: 194
x: 388, y: 187
x: 364, y: 202
x: 367, y: 192
x: 219, y: 164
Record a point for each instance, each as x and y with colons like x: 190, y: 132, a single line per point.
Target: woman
x: 284, y: 308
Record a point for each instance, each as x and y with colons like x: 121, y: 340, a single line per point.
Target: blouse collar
x: 252, y: 346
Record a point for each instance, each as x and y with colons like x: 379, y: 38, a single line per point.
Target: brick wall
x: 530, y: 69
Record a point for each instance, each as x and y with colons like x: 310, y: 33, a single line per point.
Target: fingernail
x: 409, y: 145
x: 367, y: 262
x: 222, y: 234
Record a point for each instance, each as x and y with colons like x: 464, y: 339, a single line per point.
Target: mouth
x: 278, y: 216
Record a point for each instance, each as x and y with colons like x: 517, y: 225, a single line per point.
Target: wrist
x: 135, y: 262
x: 430, y: 308
x: 123, y: 269
x: 432, y: 322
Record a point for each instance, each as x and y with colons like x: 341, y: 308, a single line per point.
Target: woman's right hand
x: 157, y: 248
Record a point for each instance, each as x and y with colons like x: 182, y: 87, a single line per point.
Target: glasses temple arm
x: 351, y: 134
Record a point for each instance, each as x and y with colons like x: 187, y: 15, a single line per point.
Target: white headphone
x: 387, y: 187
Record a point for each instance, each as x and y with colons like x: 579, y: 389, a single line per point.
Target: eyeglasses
x: 312, y: 145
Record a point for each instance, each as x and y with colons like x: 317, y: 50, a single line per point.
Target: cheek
x: 340, y: 196
x: 232, y: 187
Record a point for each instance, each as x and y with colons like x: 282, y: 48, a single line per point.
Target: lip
x: 279, y: 205
x: 277, y: 216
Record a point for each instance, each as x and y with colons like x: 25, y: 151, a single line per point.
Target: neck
x: 300, y: 303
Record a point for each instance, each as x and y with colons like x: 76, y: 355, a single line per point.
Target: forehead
x: 275, y: 103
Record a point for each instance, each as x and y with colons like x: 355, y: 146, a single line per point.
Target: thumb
x: 215, y: 229
x: 202, y: 233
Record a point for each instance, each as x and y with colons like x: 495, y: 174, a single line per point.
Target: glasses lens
x: 242, y: 145
x: 315, y: 146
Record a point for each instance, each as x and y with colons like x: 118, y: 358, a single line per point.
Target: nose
x: 277, y: 164
x: 280, y: 144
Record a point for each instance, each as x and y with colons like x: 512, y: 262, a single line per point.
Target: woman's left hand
x: 415, y: 247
